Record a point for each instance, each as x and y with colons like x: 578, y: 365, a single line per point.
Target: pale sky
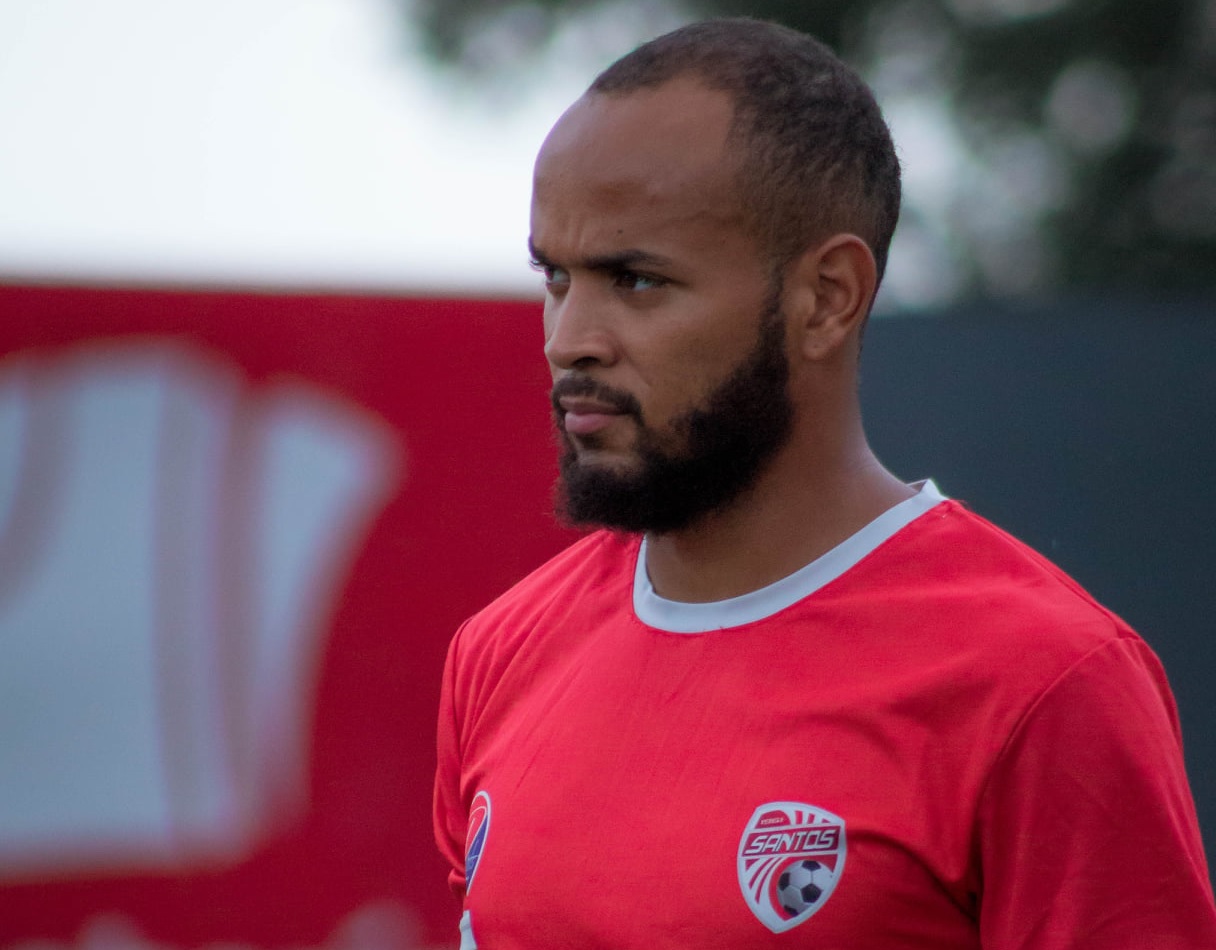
x: 295, y: 143
x: 263, y: 141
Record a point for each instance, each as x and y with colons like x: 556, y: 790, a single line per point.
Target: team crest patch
x: 791, y: 857
x: 475, y: 839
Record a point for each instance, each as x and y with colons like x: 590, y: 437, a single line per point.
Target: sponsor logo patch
x: 475, y: 840
x: 791, y: 857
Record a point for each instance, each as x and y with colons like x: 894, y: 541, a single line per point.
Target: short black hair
x: 816, y: 156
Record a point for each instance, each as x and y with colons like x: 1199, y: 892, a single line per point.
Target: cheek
x: 547, y: 319
x: 677, y: 387
x: 547, y: 326
x: 697, y: 363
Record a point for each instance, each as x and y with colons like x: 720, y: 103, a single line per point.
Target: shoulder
x: 592, y: 561
x: 598, y: 566
x: 955, y: 592
x: 974, y: 566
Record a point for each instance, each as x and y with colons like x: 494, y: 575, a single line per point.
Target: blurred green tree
x: 1077, y: 137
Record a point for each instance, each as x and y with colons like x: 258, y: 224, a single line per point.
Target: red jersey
x: 928, y: 738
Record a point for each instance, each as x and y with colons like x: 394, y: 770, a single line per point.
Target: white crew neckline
x: 679, y: 617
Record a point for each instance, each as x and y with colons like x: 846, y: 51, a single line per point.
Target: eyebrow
x: 608, y: 263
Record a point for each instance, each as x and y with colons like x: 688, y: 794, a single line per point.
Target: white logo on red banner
x: 172, y: 542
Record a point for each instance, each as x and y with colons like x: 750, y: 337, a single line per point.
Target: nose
x: 578, y: 332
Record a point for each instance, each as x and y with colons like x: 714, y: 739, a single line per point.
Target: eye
x: 554, y: 276
x: 632, y: 280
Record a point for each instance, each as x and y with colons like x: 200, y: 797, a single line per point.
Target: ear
x: 829, y: 292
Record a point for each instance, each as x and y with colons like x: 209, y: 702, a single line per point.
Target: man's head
x: 699, y: 226
x: 814, y: 155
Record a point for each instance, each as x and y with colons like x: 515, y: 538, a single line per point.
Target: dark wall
x: 1088, y: 431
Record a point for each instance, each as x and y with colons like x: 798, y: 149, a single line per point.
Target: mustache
x: 581, y: 385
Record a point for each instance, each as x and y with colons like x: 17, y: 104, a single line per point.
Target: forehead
x: 662, y: 154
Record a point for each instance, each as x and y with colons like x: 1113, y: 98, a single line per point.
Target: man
x: 785, y: 699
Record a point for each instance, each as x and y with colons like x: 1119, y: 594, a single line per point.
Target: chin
x: 594, y: 451
x: 605, y: 460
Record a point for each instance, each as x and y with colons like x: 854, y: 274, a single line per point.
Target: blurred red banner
x: 236, y: 533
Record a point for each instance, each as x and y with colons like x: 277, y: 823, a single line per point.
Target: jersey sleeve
x: 1087, y: 829
x: 450, y: 810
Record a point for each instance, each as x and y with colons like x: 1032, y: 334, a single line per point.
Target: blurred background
x: 263, y: 264
x: 1049, y: 145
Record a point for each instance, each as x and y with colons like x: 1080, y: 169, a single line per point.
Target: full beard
x: 726, y: 443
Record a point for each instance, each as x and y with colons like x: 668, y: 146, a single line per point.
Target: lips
x: 584, y: 406
x: 586, y: 416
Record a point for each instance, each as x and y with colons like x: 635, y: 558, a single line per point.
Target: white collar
x: 679, y: 617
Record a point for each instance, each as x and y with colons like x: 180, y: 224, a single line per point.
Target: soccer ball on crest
x: 801, y: 885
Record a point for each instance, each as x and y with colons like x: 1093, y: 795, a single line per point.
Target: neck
x: 796, y: 511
